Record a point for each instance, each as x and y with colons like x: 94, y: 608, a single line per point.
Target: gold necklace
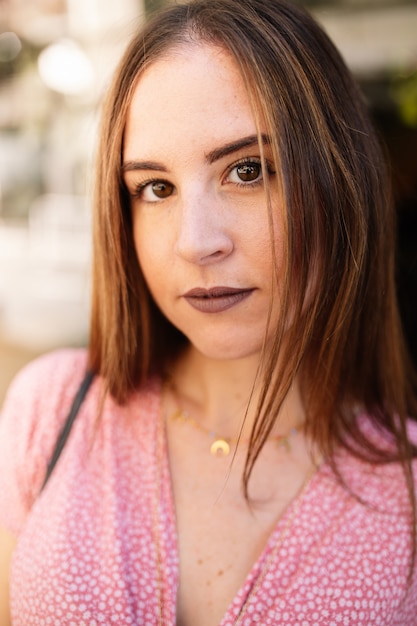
x: 221, y: 446
x: 292, y: 512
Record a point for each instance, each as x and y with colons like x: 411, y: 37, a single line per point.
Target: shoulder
x: 43, y: 386
x: 370, y: 505
x: 48, y: 375
x: 382, y: 486
x: 32, y: 415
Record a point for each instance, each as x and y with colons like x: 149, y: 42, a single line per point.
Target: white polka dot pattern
x: 86, y: 552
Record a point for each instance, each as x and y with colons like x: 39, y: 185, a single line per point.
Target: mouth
x: 216, y: 299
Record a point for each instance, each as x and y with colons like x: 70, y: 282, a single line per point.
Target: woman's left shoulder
x: 383, y: 484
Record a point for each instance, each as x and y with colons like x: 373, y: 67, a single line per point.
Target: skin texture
x: 211, y: 229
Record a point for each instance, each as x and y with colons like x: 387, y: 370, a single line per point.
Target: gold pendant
x: 220, y: 447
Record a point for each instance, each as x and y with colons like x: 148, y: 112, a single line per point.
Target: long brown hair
x: 345, y: 340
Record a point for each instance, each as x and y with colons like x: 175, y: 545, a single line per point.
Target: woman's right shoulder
x: 41, y: 393
x: 46, y: 382
x: 32, y: 416
x: 48, y: 375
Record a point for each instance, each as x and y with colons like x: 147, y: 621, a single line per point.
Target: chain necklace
x: 294, y: 508
x: 220, y: 445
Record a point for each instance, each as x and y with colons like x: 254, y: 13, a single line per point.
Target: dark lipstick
x: 216, y: 299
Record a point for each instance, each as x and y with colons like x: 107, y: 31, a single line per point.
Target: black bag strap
x: 64, y: 434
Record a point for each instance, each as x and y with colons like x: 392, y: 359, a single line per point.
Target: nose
x: 204, y: 235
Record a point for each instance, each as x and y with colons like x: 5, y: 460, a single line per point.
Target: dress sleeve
x: 33, y: 413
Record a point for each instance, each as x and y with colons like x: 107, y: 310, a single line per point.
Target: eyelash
x: 140, y: 187
x: 248, y: 161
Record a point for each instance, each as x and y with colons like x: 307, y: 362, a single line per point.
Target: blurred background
x: 56, y: 58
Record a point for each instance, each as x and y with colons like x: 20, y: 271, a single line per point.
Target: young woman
x: 245, y: 452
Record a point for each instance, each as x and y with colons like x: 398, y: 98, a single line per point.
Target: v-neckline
x: 238, y: 606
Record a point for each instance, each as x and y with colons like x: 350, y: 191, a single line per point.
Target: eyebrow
x: 211, y: 157
x: 131, y: 166
x: 235, y: 146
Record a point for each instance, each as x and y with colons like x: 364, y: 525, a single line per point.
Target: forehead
x: 193, y: 91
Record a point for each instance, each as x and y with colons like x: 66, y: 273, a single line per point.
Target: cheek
x: 147, y: 249
x: 271, y: 248
x: 153, y: 251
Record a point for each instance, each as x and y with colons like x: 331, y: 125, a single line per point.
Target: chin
x: 227, y: 350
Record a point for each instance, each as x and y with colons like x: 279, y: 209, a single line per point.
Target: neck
x: 224, y: 395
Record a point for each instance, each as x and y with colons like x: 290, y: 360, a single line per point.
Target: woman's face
x: 192, y: 166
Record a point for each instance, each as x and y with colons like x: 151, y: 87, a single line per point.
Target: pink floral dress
x: 98, y: 546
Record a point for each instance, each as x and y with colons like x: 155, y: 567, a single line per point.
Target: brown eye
x: 248, y: 172
x: 161, y: 189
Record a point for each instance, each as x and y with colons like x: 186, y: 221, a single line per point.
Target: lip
x: 216, y: 299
